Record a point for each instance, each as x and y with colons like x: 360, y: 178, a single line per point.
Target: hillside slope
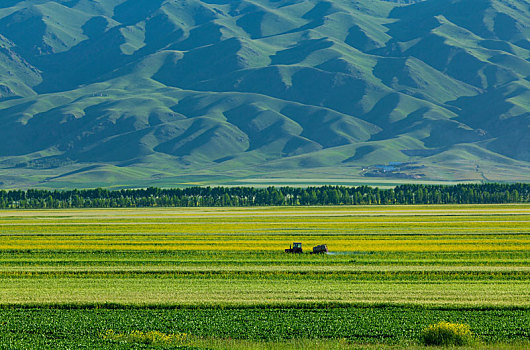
x: 139, y: 92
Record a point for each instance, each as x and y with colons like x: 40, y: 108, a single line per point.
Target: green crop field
x: 218, y: 277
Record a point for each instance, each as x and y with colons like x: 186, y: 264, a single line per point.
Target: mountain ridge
x: 170, y: 90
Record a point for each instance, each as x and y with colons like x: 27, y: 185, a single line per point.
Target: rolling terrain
x: 164, y: 92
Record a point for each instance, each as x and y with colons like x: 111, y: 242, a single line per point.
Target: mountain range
x: 174, y: 92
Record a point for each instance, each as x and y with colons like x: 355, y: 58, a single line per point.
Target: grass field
x: 220, y: 276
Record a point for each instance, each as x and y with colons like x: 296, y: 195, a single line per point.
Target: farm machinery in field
x: 320, y: 249
x: 296, y: 248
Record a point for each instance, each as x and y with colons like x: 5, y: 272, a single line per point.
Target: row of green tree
x: 251, y: 196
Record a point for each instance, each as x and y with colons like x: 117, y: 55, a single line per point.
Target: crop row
x: 154, y: 290
x: 216, y: 258
x: 272, y: 227
x: 44, y: 328
x: 317, y: 276
x: 442, y: 243
x: 324, y: 217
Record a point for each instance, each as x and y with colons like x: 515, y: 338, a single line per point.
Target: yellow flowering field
x: 475, y: 255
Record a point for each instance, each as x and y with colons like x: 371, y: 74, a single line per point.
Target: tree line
x: 271, y: 196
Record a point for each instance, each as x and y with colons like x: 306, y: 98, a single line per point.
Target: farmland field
x: 220, y: 275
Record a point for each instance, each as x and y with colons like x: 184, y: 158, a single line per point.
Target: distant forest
x: 278, y: 196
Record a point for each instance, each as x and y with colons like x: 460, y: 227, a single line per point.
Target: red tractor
x: 296, y: 248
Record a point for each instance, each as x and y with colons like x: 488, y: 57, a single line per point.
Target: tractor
x: 296, y: 248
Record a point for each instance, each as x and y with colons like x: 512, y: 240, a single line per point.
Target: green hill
x: 166, y: 92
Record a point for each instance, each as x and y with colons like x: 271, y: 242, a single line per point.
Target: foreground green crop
x: 63, y: 328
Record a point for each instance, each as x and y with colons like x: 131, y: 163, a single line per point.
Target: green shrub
x: 446, y: 333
